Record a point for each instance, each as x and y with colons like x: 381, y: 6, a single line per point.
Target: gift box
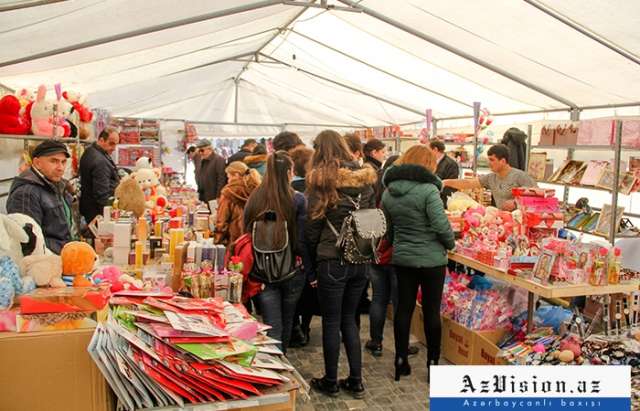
x: 547, y: 136
x: 566, y: 135
x: 538, y: 204
x: 64, y: 300
x: 596, y: 132
x: 533, y: 192
x: 534, y: 219
x: 54, y: 322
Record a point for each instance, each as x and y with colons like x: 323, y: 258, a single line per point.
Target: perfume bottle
x: 614, y: 266
x: 599, y: 274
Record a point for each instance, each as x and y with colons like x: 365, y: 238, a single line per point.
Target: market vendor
x: 98, y: 175
x: 500, y: 181
x: 40, y: 193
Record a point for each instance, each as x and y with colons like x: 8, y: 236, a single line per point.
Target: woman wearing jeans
x: 334, y: 183
x: 421, y: 235
x: 275, y: 198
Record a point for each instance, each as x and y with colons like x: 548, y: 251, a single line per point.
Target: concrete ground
x: 383, y: 393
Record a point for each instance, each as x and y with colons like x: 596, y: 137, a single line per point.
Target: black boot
x: 353, y: 387
x: 297, y: 337
x: 325, y: 387
x: 402, y: 367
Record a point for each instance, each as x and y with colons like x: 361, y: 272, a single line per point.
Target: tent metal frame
x: 582, y: 30
x: 374, y: 67
x: 28, y: 4
x: 460, y: 53
x: 346, y: 86
x: 146, y: 30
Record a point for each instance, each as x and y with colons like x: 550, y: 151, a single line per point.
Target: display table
x: 547, y: 291
x: 50, y: 371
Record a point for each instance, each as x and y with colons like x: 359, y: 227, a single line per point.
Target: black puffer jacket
x: 516, y: 141
x: 98, y: 179
x: 351, y: 181
x: 47, y: 203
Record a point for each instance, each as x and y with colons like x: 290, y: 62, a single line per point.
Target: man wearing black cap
x: 98, y: 175
x: 39, y: 192
x: 246, y: 150
x: 212, y: 177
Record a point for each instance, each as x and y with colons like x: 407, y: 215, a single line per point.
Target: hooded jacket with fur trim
x: 230, y: 213
x: 417, y: 224
x: 352, y: 181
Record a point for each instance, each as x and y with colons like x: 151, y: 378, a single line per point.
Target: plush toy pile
x: 141, y: 190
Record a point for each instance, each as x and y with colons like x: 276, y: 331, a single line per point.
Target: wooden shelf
x: 546, y: 291
x: 582, y: 147
x: 574, y: 186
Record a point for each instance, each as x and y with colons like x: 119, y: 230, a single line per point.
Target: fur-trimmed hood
x: 410, y: 173
x: 254, y: 160
x: 351, y: 177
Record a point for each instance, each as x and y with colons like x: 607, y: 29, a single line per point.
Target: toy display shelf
x: 546, y: 291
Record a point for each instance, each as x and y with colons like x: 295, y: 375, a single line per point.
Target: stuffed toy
x: 12, y: 121
x: 460, y: 201
x: 154, y: 193
x: 11, y: 282
x: 46, y: 270
x: 129, y: 196
x: 82, y: 112
x: 78, y: 259
x: 143, y: 162
x: 117, y: 279
x: 20, y: 236
x: 42, y: 116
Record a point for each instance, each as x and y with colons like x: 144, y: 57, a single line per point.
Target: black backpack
x: 272, y: 263
x: 360, y: 233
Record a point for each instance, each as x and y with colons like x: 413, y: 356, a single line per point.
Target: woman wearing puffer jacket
x: 421, y: 235
x: 334, y: 184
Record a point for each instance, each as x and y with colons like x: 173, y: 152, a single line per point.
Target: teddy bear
x: 42, y: 116
x: 12, y: 121
x: 148, y: 180
x: 46, y: 270
x: 129, y: 196
x: 11, y: 282
x: 78, y: 259
x: 83, y: 114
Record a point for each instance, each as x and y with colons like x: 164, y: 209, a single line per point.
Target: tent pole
x: 580, y: 29
x: 209, y: 64
x: 357, y: 90
x: 235, y: 109
x: 145, y: 30
x: 266, y: 43
x: 380, y: 70
x: 28, y: 4
x: 459, y: 52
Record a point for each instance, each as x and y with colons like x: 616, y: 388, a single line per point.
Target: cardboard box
x: 457, y: 344
x: 485, y: 350
x: 417, y: 325
x: 50, y: 371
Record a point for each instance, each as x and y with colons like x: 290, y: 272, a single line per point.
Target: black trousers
x: 431, y: 280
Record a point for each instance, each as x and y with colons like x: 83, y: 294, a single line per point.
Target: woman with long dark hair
x: 335, y: 184
x: 421, y: 235
x: 275, y: 199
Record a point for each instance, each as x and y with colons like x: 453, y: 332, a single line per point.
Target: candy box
x: 533, y: 192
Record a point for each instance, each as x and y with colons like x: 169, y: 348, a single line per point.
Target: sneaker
x: 413, y: 350
x: 374, y: 348
x: 325, y: 387
x: 353, y: 387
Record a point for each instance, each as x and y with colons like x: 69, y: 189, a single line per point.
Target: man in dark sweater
x: 447, y: 168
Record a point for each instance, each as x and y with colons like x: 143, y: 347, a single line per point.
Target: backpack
x: 271, y: 263
x: 243, y: 249
x: 360, y: 233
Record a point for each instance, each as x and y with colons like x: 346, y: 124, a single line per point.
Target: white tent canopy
x: 371, y: 62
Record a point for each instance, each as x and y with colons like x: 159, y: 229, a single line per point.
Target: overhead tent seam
x: 357, y: 90
x: 297, y: 92
x: 28, y: 4
x: 380, y: 69
x: 403, y: 27
x: 582, y: 30
x: 145, y: 30
x: 458, y: 75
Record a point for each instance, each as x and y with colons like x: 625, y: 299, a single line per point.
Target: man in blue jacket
x: 40, y: 193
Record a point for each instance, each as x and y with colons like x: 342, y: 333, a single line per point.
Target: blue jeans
x: 278, y: 306
x: 385, y: 289
x: 340, y: 287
